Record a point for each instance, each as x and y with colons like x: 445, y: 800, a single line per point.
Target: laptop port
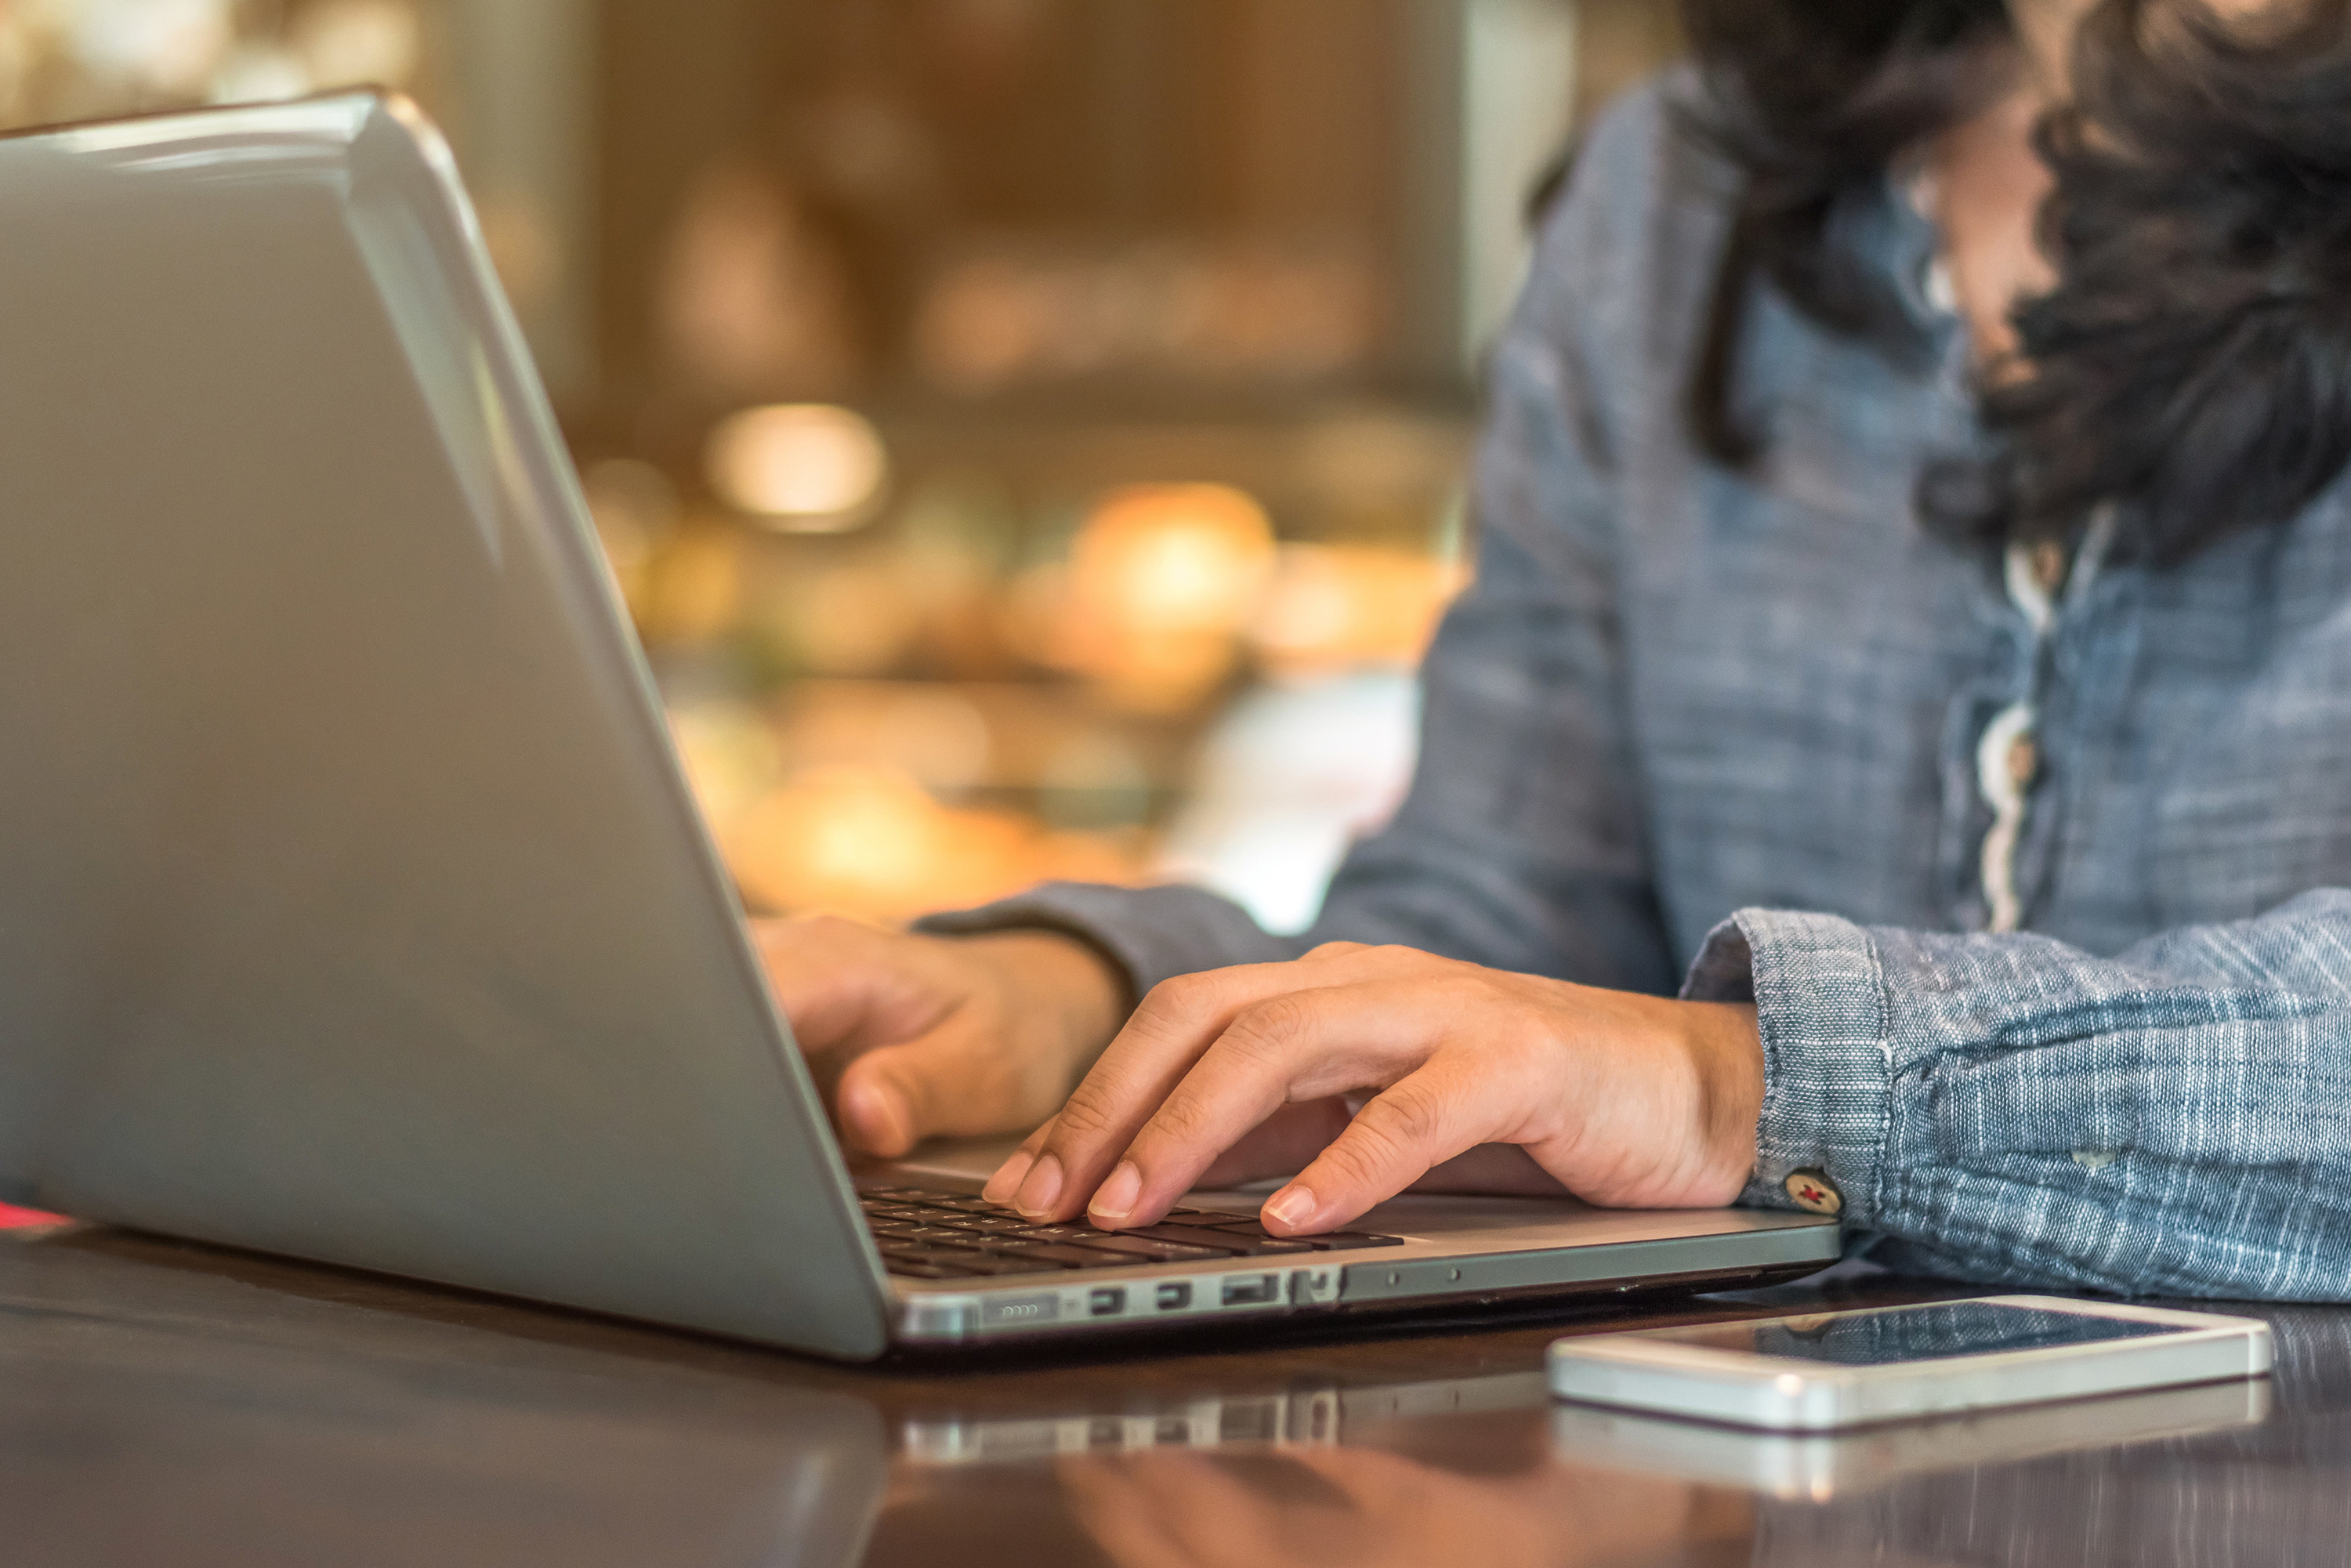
x: 1251, y: 1290
x: 1174, y: 1294
x: 1108, y: 1301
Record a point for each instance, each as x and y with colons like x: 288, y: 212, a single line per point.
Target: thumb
x: 894, y: 1096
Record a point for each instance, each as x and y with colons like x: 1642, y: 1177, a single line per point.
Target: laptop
x: 353, y: 904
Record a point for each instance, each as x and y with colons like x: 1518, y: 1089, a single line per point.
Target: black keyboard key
x: 1006, y: 1263
x: 1157, y: 1251
x: 899, y: 1247
x: 1067, y: 1256
x: 1076, y: 1233
x: 1106, y: 1256
x: 899, y: 1257
x: 1330, y: 1241
x: 1188, y: 1236
x: 1236, y: 1243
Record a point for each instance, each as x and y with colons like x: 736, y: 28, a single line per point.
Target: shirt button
x: 2050, y: 567
x: 1813, y: 1192
x: 2024, y: 760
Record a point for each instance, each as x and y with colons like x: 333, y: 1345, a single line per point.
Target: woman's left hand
x: 1627, y: 1101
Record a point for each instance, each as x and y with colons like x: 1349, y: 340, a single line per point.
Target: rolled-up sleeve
x: 2175, y: 1119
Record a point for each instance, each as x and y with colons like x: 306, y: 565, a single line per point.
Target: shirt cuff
x: 1819, y: 992
x: 1153, y: 933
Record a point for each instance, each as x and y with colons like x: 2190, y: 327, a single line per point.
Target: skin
x: 1365, y: 1071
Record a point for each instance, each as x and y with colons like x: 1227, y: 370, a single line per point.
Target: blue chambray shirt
x: 1723, y: 729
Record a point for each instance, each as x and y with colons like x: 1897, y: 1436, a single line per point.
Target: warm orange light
x: 804, y: 467
x: 1173, y: 557
x: 1160, y: 580
x: 1333, y: 608
x: 869, y: 843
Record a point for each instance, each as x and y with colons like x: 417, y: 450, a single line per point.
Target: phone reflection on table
x: 1818, y: 1466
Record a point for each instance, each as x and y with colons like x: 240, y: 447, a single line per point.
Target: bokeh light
x: 1159, y: 582
x: 801, y: 467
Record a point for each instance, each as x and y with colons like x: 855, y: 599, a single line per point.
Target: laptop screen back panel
x: 352, y: 904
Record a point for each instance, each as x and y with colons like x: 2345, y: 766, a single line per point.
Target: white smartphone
x: 1822, y: 1371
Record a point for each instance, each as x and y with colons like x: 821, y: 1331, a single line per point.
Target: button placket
x: 2009, y: 757
x: 2008, y: 741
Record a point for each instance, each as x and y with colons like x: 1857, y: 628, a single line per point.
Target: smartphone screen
x: 1931, y: 1333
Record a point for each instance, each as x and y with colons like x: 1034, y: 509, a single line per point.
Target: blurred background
x: 1030, y: 434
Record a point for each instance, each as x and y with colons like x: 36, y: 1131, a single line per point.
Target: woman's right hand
x: 917, y: 1037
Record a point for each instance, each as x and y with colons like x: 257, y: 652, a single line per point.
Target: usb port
x: 1174, y: 1294
x: 1252, y: 1288
x: 1108, y: 1301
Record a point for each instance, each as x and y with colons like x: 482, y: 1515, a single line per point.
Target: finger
x: 1146, y: 1060
x: 1407, y: 1130
x: 1303, y: 1046
x: 1172, y: 1510
x: 1129, y: 1517
x: 1168, y: 1033
x: 951, y: 1081
x: 1008, y: 1178
x: 836, y: 984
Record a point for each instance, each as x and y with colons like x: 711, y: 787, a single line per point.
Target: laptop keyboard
x: 927, y: 1235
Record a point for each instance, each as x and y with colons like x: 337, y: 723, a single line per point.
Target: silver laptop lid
x: 352, y: 904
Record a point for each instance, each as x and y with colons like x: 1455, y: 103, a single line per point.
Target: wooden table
x: 164, y: 1405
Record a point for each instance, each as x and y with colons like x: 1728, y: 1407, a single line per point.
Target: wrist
x: 1726, y: 1048
x: 1053, y: 976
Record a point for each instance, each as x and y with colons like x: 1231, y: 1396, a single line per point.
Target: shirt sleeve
x: 2174, y: 1119
x: 1522, y: 843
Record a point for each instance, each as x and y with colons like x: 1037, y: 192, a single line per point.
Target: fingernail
x: 1114, y: 1199
x: 1292, y: 1207
x: 873, y: 1117
x: 1042, y: 1189
x: 1007, y: 1179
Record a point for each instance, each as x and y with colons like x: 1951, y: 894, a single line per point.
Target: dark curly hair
x: 2193, y: 362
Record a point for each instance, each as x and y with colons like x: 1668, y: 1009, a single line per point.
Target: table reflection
x: 1365, y: 1508
x: 179, y: 1406
x: 1488, y: 1471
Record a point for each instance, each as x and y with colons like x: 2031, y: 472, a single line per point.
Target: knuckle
x: 1086, y: 1116
x: 1389, y: 958
x: 1180, y: 1121
x: 1404, y: 1118
x: 1175, y: 995
x: 1361, y: 1159
x: 1266, y: 1031
x: 1335, y: 950
x: 827, y: 928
